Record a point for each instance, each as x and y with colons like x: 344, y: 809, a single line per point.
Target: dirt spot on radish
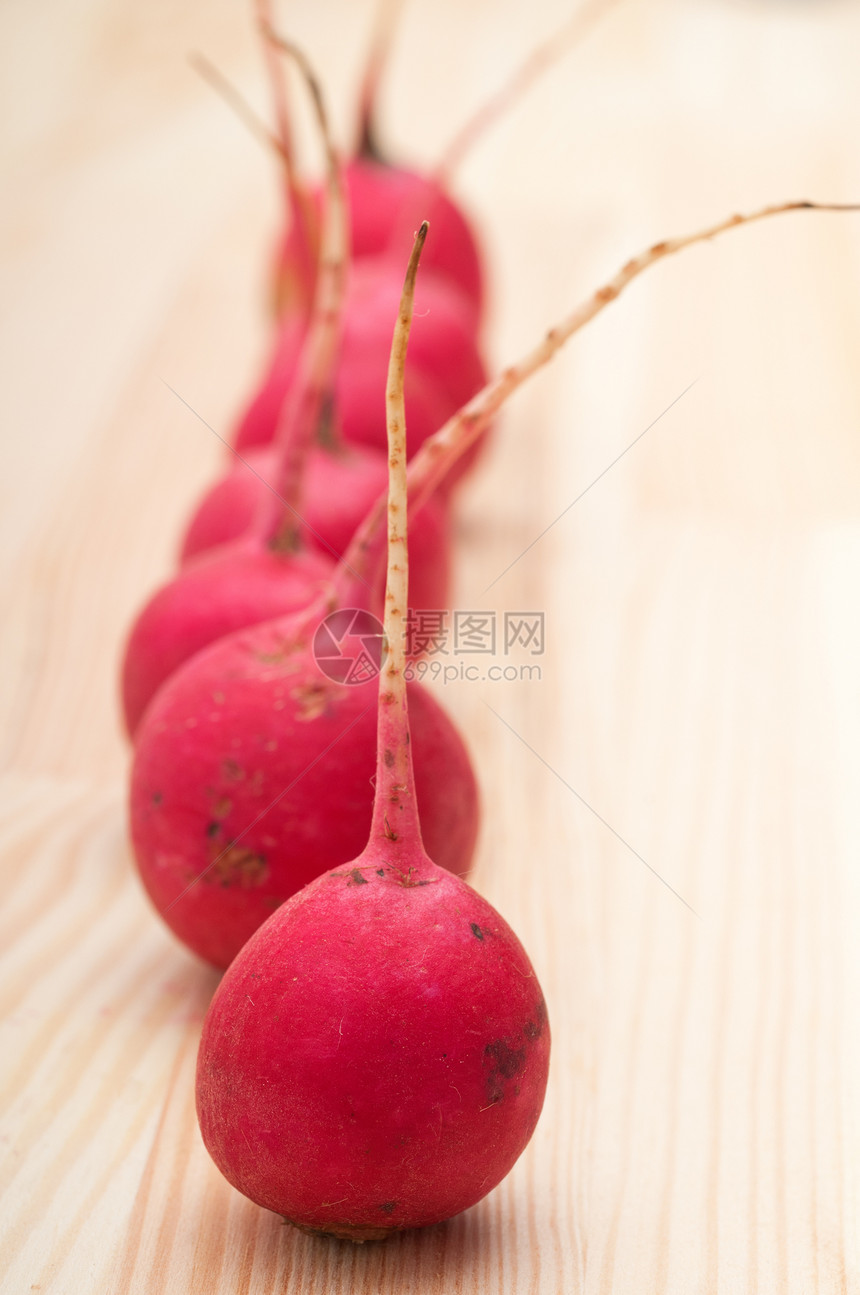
x: 238, y: 866
x: 476, y: 931
x: 312, y: 700
x: 534, y: 1029
x: 355, y: 877
x: 388, y: 1207
x: 505, y: 1063
x: 231, y: 771
x: 286, y: 648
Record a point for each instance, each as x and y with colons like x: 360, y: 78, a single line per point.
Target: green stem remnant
x: 395, y: 816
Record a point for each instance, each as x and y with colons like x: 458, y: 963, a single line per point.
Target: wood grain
x: 671, y: 812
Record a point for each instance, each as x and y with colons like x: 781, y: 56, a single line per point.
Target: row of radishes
x: 376, y: 1055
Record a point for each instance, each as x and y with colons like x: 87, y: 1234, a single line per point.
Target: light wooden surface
x: 697, y: 725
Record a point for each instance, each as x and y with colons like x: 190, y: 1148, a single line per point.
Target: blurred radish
x: 339, y: 482
x: 243, y: 752
x: 446, y: 368
x: 376, y: 1057
x: 387, y: 201
x: 445, y: 365
x: 340, y: 485
x: 270, y: 569
x: 220, y: 592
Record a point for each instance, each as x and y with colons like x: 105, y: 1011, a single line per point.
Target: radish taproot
x: 376, y: 1057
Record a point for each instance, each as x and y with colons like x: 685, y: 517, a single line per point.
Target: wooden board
x: 671, y: 811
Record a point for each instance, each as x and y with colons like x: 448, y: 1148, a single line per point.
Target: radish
x: 221, y: 591
x: 445, y: 364
x: 252, y: 769
x: 340, y: 484
x: 270, y: 570
x: 447, y: 368
x: 385, y: 203
x: 376, y: 1057
x: 340, y: 480
x: 388, y: 201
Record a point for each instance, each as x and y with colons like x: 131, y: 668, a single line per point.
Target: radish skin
x: 218, y: 593
x: 339, y: 488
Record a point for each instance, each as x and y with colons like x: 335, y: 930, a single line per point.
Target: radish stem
x: 395, y: 813
x: 387, y: 15
x: 312, y: 390
x: 521, y: 80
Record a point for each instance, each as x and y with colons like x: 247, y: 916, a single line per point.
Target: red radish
x: 387, y: 201
x: 269, y: 571
x: 249, y: 761
x: 253, y: 771
x: 340, y: 482
x: 385, y: 204
x: 439, y: 335
x: 376, y: 1057
x: 446, y: 366
x: 339, y: 487
x: 252, y: 775
x: 443, y: 352
x: 220, y: 592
